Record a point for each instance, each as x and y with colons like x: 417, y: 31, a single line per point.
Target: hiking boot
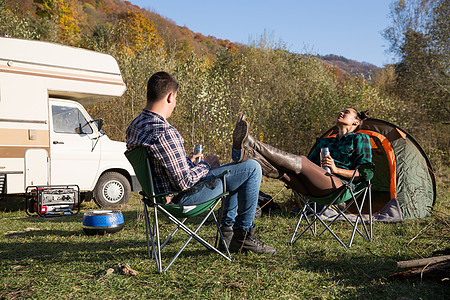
x: 227, y: 232
x: 244, y: 241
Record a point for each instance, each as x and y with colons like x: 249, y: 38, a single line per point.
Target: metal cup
x: 323, y: 152
x: 198, y: 149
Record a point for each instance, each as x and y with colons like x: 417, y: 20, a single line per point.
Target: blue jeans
x: 243, y: 183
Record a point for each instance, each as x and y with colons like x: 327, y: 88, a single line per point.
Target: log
x: 422, y: 262
x: 439, y: 271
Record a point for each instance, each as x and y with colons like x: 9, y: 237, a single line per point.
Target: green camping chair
x: 177, y: 214
x: 349, y: 193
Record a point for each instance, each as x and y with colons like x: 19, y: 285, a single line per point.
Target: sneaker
x: 227, y: 232
x: 244, y: 241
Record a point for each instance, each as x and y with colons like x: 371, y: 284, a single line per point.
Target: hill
x: 93, y: 19
x: 350, y: 66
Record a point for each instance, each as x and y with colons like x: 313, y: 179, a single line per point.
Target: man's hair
x: 159, y: 85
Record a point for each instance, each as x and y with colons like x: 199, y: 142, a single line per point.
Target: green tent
x: 404, y: 186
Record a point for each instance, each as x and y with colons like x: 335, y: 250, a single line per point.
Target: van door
x: 36, y: 167
x: 74, y: 152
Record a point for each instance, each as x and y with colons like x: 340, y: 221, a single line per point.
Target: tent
x: 403, y: 187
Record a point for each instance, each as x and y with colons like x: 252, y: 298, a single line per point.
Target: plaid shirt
x: 347, y: 152
x: 172, y: 170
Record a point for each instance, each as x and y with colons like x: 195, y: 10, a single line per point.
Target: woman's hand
x: 327, y: 161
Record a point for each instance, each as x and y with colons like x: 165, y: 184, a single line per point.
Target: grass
x: 59, y: 261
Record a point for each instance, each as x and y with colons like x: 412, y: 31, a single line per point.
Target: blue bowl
x: 99, y: 222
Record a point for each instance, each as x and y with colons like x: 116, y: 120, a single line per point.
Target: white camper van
x: 46, y: 136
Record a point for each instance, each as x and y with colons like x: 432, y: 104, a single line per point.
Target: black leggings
x: 313, y: 180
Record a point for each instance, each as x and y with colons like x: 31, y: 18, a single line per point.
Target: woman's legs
x: 313, y: 180
x: 295, y: 170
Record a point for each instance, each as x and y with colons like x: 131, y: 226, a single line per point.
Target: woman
x: 347, y: 150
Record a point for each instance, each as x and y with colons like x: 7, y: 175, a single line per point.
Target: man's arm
x: 172, y: 156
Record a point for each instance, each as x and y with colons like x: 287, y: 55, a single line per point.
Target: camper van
x: 46, y: 136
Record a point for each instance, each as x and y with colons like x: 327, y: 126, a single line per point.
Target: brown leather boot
x: 267, y: 169
x: 271, y: 159
x: 276, y: 158
x: 240, y: 134
x: 241, y: 152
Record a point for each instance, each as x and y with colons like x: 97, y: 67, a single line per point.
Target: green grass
x: 59, y: 261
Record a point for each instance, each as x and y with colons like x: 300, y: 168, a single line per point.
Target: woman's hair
x: 361, y: 116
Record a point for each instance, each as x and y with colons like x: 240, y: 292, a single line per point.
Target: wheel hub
x: 113, y: 191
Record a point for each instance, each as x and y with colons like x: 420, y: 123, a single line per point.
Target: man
x: 175, y: 172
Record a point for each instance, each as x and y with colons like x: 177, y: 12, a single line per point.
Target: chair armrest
x: 365, y: 171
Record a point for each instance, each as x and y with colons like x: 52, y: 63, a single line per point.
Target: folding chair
x: 177, y: 214
x: 349, y: 193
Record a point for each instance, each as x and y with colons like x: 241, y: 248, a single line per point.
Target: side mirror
x: 79, y: 129
x: 100, y: 124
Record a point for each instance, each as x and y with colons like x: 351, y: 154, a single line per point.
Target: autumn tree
x: 136, y: 32
x: 67, y: 14
x: 12, y: 24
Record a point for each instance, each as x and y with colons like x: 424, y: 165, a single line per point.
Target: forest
x: 290, y: 98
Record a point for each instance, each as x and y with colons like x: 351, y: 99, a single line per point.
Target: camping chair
x: 177, y: 214
x: 349, y: 193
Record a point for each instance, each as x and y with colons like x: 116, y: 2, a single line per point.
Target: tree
x: 12, y: 25
x: 66, y: 14
x: 419, y: 36
x: 136, y: 33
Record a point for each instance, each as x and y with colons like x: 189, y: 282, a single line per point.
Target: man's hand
x: 213, y: 161
x: 193, y: 156
x: 168, y: 199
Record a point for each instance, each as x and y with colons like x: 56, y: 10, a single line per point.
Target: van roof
x: 56, y: 55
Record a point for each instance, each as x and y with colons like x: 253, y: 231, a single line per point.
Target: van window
x: 69, y: 120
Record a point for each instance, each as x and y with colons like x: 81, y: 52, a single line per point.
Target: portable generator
x: 52, y: 200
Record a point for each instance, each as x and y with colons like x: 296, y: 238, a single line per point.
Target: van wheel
x: 112, y: 189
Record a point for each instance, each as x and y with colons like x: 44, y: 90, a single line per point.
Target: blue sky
x: 351, y: 28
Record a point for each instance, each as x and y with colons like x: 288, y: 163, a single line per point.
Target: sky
x: 349, y: 28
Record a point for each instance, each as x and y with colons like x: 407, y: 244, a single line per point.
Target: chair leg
x: 148, y: 232
x: 331, y: 231
x: 296, y: 226
x: 359, y: 216
x: 303, y: 213
x: 192, y: 234
x: 152, y: 239
x: 158, y: 240
x: 370, y: 212
x: 220, y: 234
x: 172, y: 234
x: 367, y: 235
